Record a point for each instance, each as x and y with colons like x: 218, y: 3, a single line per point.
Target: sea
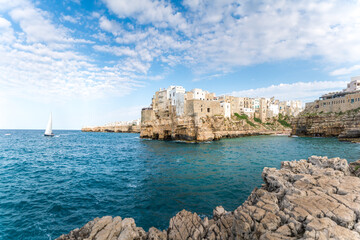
x: 51, y: 185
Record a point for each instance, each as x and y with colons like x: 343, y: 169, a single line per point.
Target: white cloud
x: 118, y: 51
x: 4, y: 23
x: 344, y: 71
x: 147, y: 11
x: 42, y: 60
x: 221, y: 35
x: 69, y: 18
x: 305, y: 91
x: 110, y: 26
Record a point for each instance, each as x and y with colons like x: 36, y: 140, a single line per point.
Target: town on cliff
x: 198, y: 115
x: 335, y: 114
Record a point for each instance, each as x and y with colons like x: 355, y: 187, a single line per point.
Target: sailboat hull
x: 48, y: 135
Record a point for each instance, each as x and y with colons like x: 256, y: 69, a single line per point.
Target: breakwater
x: 344, y: 125
x: 116, y: 129
x: 317, y: 198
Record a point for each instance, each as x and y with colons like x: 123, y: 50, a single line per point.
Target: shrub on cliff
x: 242, y: 116
x: 257, y: 120
x: 284, y: 123
x: 250, y: 123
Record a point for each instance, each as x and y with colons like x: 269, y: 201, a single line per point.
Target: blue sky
x: 93, y: 62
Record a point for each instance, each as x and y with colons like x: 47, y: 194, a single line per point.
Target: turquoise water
x: 49, y: 186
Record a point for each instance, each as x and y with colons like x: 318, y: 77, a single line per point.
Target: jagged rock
x: 186, y: 225
x: 354, y: 168
x: 156, y: 234
x: 317, y: 198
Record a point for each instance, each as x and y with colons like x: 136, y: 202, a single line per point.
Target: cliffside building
x: 347, y: 99
x: 176, y: 102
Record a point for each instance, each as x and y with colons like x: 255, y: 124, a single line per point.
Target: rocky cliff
x: 345, y: 126
x: 118, y: 129
x: 318, y: 198
x: 207, y: 128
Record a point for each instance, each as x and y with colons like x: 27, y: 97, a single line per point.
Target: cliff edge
x: 317, y: 198
x: 344, y: 125
x: 208, y: 128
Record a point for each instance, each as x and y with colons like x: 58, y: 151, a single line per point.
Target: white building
x: 273, y: 110
x: 227, y: 109
x: 177, y: 98
x: 354, y: 85
x: 199, y: 93
x: 249, y: 112
x: 256, y: 103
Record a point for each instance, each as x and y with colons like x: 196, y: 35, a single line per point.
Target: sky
x: 98, y: 61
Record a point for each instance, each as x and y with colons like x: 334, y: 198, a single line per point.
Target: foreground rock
x: 318, y: 198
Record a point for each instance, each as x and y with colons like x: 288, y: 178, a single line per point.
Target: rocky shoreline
x: 317, y: 198
x: 345, y: 126
x: 205, y: 129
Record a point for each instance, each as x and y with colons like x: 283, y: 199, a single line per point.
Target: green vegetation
x: 357, y: 167
x: 242, y: 116
x: 250, y: 123
x: 283, y: 120
x: 246, y: 118
x: 257, y: 120
x: 284, y: 123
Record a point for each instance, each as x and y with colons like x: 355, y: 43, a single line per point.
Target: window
x: 208, y: 110
x: 352, y: 100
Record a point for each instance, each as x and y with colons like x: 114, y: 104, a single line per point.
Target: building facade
x: 348, y: 99
x: 200, y: 103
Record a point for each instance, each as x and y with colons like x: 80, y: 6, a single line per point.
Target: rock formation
x: 206, y: 128
x: 318, y: 198
x: 345, y: 126
x: 117, y: 129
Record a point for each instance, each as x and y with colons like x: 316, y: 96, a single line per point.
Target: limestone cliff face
x: 118, y: 129
x: 346, y: 125
x: 206, y: 128
x: 317, y: 198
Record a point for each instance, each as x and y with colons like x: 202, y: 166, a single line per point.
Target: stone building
x: 176, y: 102
x: 346, y: 100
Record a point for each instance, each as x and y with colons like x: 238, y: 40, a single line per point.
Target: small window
x: 208, y: 110
x: 352, y: 100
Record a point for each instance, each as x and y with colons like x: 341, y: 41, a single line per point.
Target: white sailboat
x: 48, y: 131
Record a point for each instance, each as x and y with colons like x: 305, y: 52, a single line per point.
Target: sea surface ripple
x: 49, y: 186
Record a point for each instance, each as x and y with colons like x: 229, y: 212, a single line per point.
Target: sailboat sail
x: 48, y: 130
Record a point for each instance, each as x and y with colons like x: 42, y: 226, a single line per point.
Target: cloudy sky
x: 97, y: 61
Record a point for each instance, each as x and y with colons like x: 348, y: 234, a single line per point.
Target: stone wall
x: 336, y: 105
x: 203, y: 108
x: 317, y: 198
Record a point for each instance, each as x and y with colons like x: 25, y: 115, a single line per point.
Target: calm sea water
x: 49, y: 186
